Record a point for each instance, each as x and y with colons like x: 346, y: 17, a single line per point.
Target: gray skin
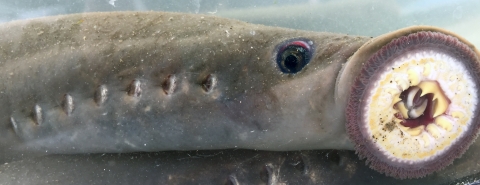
x: 253, y: 104
x: 229, y: 167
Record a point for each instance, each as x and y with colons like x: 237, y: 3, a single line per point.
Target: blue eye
x: 293, y: 55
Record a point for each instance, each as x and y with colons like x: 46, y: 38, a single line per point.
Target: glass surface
x: 364, y: 18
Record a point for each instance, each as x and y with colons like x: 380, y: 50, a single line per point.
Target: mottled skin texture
x: 253, y: 106
x: 235, y: 167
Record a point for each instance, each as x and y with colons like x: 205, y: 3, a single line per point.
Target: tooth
x: 427, y: 69
x: 403, y: 110
x: 402, y: 83
x: 433, y: 130
x: 413, y: 77
x: 415, y: 131
x: 460, y: 88
x: 444, y: 122
x: 440, y: 107
x: 418, y: 111
x: 441, y: 104
x: 457, y: 114
x: 426, y: 139
x: 427, y: 87
x: 392, y: 90
x: 396, y: 120
x: 396, y: 98
x: 411, y: 96
x: 455, y: 78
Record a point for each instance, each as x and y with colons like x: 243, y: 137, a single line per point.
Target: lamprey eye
x: 413, y: 106
x: 293, y: 55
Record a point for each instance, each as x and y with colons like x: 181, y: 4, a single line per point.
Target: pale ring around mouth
x: 413, y: 107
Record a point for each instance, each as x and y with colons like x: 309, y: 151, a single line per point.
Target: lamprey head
x: 413, y: 106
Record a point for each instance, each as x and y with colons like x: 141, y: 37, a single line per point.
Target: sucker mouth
x: 413, y: 107
x: 421, y: 101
